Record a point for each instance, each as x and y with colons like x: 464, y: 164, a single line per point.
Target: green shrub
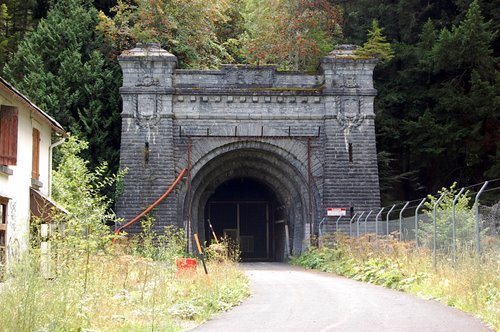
x: 165, y: 247
x: 465, y: 221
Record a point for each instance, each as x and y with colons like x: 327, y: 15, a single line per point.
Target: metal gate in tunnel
x: 241, y: 210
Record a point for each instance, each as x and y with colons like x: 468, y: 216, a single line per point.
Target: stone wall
x: 309, y: 137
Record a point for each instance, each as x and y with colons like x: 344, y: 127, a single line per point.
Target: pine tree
x: 437, y: 105
x: 376, y: 46
x: 457, y: 128
x: 62, y: 66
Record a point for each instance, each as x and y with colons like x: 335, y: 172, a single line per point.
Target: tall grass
x: 120, y: 293
x: 86, y: 284
x: 471, y: 284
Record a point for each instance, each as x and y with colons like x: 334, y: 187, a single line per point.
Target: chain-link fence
x: 453, y: 221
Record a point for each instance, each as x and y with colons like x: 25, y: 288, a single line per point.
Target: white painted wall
x: 17, y: 186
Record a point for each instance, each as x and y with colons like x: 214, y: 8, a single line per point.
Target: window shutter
x: 35, y: 161
x: 8, y: 135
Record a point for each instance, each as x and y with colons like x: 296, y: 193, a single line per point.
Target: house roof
x: 8, y: 88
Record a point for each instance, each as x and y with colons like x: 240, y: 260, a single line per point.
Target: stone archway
x: 307, y: 137
x: 262, y: 163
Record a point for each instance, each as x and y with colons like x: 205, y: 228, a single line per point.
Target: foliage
x: 143, y: 295
x: 438, y: 98
x: 17, y: 18
x: 188, y: 28
x: 471, y: 284
x: 78, y: 190
x: 226, y: 250
x: 82, y: 276
x: 376, y: 46
x: 165, y: 247
x: 464, y: 216
x: 291, y: 34
x: 63, y: 66
x: 341, y: 259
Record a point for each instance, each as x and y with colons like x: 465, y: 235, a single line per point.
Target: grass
x: 472, y: 284
x: 115, y: 292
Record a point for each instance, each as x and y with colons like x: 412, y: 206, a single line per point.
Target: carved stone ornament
x: 350, y: 81
x: 146, y: 71
x: 248, y: 76
x: 347, y: 123
x: 148, y: 81
x: 148, y: 117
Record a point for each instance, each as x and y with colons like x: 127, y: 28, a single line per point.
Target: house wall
x: 16, y: 186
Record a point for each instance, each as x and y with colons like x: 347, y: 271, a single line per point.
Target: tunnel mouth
x: 247, y: 212
x: 243, y: 175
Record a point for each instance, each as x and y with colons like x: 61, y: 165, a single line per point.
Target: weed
x: 471, y: 284
x: 151, y: 298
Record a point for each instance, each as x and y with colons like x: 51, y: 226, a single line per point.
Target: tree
x: 437, y: 107
x: 462, y: 110
x: 16, y: 19
x: 291, y: 34
x: 187, y: 28
x: 464, y: 220
x: 64, y: 67
x: 79, y: 190
x: 376, y: 46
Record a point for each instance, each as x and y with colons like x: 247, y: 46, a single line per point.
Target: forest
x: 438, y: 104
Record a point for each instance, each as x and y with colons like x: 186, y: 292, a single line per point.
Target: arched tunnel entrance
x: 248, y: 213
x: 253, y: 192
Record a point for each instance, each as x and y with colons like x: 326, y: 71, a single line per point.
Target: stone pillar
x: 350, y: 156
x: 147, y: 147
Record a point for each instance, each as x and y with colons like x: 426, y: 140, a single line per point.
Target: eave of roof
x: 7, y: 87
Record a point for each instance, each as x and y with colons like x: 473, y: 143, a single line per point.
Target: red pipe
x: 152, y: 206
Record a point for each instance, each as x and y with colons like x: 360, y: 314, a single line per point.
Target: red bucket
x: 186, y: 265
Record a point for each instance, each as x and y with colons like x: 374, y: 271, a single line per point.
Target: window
x: 8, y: 135
x: 3, y: 228
x: 350, y: 152
x: 35, y: 161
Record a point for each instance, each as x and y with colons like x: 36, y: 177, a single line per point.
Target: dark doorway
x: 243, y: 209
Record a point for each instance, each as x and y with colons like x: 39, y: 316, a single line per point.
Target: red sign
x: 336, y: 212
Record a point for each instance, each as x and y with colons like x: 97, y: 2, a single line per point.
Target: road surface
x: 287, y: 298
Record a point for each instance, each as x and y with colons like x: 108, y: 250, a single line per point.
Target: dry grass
x: 115, y: 293
x: 471, y: 284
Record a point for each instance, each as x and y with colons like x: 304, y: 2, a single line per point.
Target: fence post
x: 357, y: 223
x: 401, y: 221
x: 476, y: 211
x: 434, y: 242
x: 416, y: 220
x: 376, y: 225
x: 320, y: 225
x: 366, y: 220
x: 387, y: 219
x: 337, y: 224
x: 454, y: 227
x: 350, y: 223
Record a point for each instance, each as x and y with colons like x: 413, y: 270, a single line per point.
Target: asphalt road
x: 287, y: 298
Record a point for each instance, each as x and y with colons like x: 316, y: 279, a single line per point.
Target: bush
x: 165, y: 247
x: 465, y: 220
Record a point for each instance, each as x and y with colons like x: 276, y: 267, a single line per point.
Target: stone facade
x: 310, y: 138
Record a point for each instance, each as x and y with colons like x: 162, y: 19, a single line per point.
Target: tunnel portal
x: 267, y: 152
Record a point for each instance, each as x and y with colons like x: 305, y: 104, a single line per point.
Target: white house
x: 26, y: 142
